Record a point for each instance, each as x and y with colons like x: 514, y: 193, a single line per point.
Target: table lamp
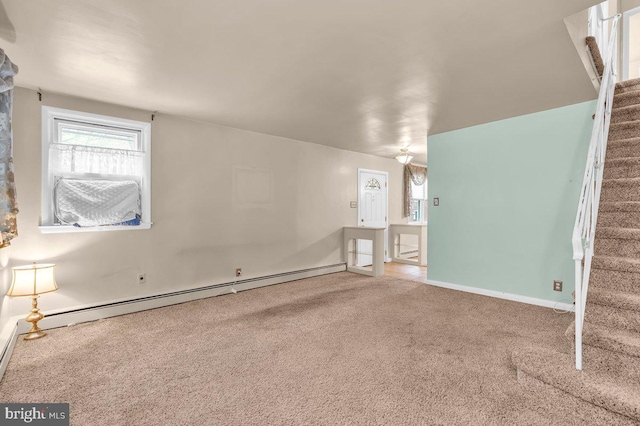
x: 33, y: 280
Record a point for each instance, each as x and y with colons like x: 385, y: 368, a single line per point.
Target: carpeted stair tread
x: 622, y: 161
x: 622, y: 148
x: 624, y: 130
x: 615, y: 299
x: 624, y: 214
x: 617, y: 242
x: 623, y: 189
x: 581, y: 412
x: 629, y: 141
x: 626, y: 282
x: 613, y: 317
x: 627, y: 86
x: 608, y: 350
x: 624, y: 341
x: 626, y: 99
x: 622, y: 168
x: 627, y: 113
x: 592, y: 45
x: 557, y: 369
x: 618, y: 233
x: 619, y: 183
x: 616, y: 264
x: 620, y: 206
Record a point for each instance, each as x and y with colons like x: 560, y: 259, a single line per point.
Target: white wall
x: 203, y: 228
x: 626, y: 5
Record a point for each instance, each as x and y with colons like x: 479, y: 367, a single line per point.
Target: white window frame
x: 49, y: 115
x: 423, y: 207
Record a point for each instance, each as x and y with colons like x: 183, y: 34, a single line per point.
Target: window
x: 96, y: 172
x: 372, y: 184
x: 418, y: 203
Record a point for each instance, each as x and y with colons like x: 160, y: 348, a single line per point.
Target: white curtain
x: 82, y: 159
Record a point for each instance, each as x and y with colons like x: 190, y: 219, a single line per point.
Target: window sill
x: 68, y: 229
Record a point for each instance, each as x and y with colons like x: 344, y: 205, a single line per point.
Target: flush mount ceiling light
x: 404, y: 157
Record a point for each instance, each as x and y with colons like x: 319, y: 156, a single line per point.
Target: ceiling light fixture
x: 404, y: 157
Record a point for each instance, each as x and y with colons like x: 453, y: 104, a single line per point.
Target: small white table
x: 376, y: 235
x: 420, y: 230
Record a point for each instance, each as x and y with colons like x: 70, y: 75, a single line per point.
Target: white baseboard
x: 502, y: 295
x: 8, y: 339
x: 76, y: 315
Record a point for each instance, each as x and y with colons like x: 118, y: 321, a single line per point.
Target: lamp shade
x: 30, y: 280
x: 404, y: 156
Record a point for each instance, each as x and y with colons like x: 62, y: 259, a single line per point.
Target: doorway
x: 631, y: 44
x: 372, y: 210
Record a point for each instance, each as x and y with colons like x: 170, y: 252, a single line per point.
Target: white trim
x: 86, y: 313
x: 66, y: 229
x: 502, y: 295
x: 625, y: 41
x: 8, y: 339
x: 49, y: 115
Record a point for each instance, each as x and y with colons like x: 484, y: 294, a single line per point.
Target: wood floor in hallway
x: 405, y: 271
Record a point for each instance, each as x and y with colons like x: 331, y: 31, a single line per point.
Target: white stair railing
x: 585, y: 225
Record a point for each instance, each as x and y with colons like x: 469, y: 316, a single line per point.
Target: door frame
x: 387, y: 255
x: 625, y: 40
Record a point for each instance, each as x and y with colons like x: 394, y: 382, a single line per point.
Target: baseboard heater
x: 106, y: 310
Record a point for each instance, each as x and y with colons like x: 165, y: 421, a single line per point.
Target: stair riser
x: 623, y: 101
x: 622, y: 150
x: 613, y: 318
x: 584, y: 412
x: 617, y: 247
x: 619, y: 171
x: 619, y: 219
x: 595, y: 358
x: 620, y: 193
x: 617, y: 132
x: 627, y: 282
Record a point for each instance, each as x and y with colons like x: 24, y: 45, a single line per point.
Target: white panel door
x: 372, y: 209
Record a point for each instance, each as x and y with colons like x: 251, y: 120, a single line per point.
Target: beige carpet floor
x: 338, y: 349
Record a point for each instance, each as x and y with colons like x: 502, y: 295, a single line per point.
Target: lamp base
x: 34, y: 316
x: 35, y: 335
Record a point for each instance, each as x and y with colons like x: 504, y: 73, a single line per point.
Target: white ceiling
x: 364, y: 75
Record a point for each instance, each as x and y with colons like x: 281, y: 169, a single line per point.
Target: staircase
x: 609, y: 385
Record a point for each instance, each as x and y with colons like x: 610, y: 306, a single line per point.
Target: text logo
x: 34, y: 414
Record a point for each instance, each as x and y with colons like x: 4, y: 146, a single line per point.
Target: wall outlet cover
x: 557, y: 285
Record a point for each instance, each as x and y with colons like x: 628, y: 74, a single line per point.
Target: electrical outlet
x: 142, y: 278
x: 238, y: 272
x: 557, y: 285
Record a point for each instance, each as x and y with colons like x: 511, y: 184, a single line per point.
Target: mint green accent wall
x: 508, y: 194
